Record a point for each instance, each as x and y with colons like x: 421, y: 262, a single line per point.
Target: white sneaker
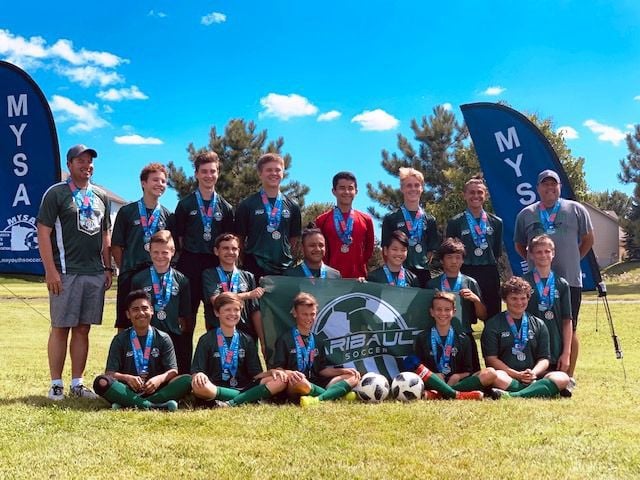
x: 81, y: 391
x: 56, y: 393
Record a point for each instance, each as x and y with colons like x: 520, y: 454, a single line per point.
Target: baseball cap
x: 548, y: 174
x: 78, y: 150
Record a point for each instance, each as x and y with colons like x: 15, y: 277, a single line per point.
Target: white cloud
x: 637, y: 97
x: 630, y: 127
x: 213, y: 17
x: 567, y: 132
x: 153, y: 13
x: 494, y: 91
x: 328, y: 116
x: 137, y: 140
x: 107, y: 109
x: 605, y: 132
x: 115, y: 95
x: 447, y: 106
x: 84, y: 117
x: 285, y: 107
x: 375, y: 120
x: 90, y: 75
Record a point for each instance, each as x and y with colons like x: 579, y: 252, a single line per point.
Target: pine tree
x: 238, y: 149
x: 631, y: 174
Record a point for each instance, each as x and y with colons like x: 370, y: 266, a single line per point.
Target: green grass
x: 593, y: 435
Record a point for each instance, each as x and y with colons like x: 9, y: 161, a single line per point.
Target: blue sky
x: 138, y: 81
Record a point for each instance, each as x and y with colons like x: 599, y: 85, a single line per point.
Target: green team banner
x: 367, y: 326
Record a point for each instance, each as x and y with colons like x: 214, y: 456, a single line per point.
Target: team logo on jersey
x: 241, y: 353
x: 175, y: 290
x: 155, y: 352
x: 505, y: 334
x: 89, y: 224
x: 129, y: 353
x: 259, y: 211
x: 193, y: 212
x: 20, y: 234
x: 489, y: 230
x: 286, y: 213
x: 466, y: 231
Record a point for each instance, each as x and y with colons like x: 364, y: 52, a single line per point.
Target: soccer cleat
x: 221, y: 404
x: 432, y: 395
x: 308, y: 401
x: 473, y: 395
x: 349, y: 397
x: 568, y: 391
x: 56, y: 393
x: 80, y: 391
x: 497, y: 394
x: 170, y: 405
x: 116, y: 406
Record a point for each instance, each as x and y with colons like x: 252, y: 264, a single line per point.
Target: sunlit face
x: 271, y: 174
x: 305, y: 315
x: 161, y: 255
x: 474, y: 195
x: 549, y: 191
x: 207, y: 175
x: 452, y: 263
x: 140, y: 312
x: 155, y: 184
x: 345, y: 192
x: 442, y: 311
x: 81, y: 167
x: 411, y: 188
x: 517, y: 303
x: 228, y: 252
x: 229, y: 314
x: 542, y: 255
x: 395, y: 254
x: 313, y: 248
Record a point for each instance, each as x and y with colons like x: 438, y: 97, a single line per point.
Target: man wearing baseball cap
x: 74, y: 243
x: 568, y: 223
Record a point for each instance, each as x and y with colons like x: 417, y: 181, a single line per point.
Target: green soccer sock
x: 252, y: 395
x: 337, y: 390
x: 120, y: 393
x: 515, y: 386
x: 467, y: 384
x: 174, y: 390
x: 541, y: 389
x: 434, y: 382
x: 316, y: 390
x: 225, y: 394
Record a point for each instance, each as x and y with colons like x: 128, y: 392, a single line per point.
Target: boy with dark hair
x: 451, y: 280
x: 226, y: 369
x: 169, y: 291
x: 135, y: 223
x: 516, y: 345
x: 349, y: 233
x: 268, y: 222
x: 313, y: 251
x: 141, y: 368
x: 393, y: 271
x: 296, y: 354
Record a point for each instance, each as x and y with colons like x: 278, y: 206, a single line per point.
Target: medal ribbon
x: 83, y: 201
x: 228, y: 354
x: 305, y: 355
x: 140, y: 359
x: 520, y: 338
x: 206, y: 214
x: 344, y: 229
x: 309, y: 274
x: 413, y: 229
x: 547, y: 218
x: 443, y: 360
x: 273, y: 213
x: 161, y: 288
x: 446, y: 287
x: 478, y: 228
x: 149, y: 225
x: 401, y: 282
x: 229, y: 284
x: 547, y: 292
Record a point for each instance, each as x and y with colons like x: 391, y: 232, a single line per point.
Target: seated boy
x: 516, y: 345
x: 226, y: 367
x: 141, y: 367
x: 452, y: 280
x: 313, y: 251
x: 449, y: 354
x: 170, y: 296
x: 296, y: 354
x: 393, y: 272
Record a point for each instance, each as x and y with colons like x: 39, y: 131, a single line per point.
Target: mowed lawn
x: 595, y: 434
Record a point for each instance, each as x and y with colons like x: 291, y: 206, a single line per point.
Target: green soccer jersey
x: 190, y: 228
x: 468, y: 314
x: 285, y: 356
x: 379, y: 276
x: 497, y: 341
x: 458, y: 227
x: 121, y: 357
x: 561, y: 309
x: 298, y: 271
x: 206, y: 359
x: 461, y: 352
x: 179, y: 303
x: 417, y: 254
x: 213, y: 285
x: 272, y: 252
x: 128, y: 233
x: 76, y: 239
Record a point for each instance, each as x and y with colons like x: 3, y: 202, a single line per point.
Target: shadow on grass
x: 40, y: 401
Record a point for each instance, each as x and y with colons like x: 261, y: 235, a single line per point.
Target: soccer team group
x: 530, y: 349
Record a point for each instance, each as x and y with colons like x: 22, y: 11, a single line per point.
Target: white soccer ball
x: 407, y: 386
x: 373, y: 388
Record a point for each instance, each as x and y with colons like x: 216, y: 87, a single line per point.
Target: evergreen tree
x: 616, y: 201
x: 631, y: 174
x: 239, y: 149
